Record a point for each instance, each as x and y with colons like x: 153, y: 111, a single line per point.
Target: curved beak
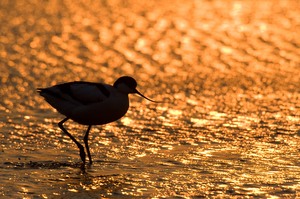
x: 137, y: 92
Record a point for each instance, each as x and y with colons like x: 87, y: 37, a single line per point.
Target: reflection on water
x: 226, y: 71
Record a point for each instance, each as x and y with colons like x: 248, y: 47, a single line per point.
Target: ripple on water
x: 229, y: 124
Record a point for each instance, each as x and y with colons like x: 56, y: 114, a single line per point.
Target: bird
x: 90, y: 103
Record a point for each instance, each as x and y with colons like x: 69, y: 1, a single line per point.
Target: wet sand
x: 227, y: 71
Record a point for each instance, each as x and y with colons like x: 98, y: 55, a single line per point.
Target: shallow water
x: 228, y: 73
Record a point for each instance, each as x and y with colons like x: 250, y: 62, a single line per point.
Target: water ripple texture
x: 227, y: 71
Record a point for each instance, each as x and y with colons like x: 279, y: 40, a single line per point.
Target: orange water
x: 228, y: 72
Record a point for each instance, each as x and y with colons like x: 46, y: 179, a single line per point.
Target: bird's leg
x: 86, y: 139
x: 81, y: 149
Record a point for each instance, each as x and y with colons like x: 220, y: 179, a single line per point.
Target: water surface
x: 228, y: 73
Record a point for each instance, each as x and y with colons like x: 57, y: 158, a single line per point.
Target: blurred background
x: 227, y: 71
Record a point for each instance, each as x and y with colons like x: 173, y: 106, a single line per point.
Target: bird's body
x: 87, y: 103
x: 90, y: 103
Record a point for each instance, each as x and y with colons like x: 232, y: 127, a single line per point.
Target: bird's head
x: 128, y: 85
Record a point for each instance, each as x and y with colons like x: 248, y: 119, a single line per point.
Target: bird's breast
x: 112, y: 109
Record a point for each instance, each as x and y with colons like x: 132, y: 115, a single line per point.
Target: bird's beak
x: 137, y: 92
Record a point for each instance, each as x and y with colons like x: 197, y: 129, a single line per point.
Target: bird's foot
x: 82, y: 168
x: 90, y: 162
x: 82, y: 154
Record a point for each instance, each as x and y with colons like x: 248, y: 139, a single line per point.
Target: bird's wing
x: 79, y: 92
x: 87, y: 93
